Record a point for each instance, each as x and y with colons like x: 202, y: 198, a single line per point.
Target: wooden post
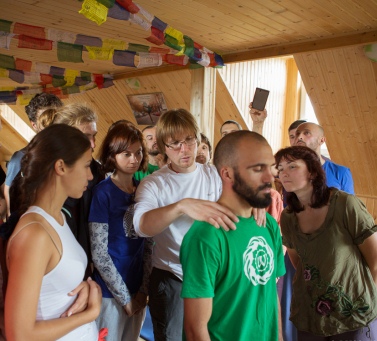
x: 291, y: 99
x: 202, y: 103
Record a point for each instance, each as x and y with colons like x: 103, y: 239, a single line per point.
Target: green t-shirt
x: 238, y: 269
x: 333, y: 290
x: 140, y: 175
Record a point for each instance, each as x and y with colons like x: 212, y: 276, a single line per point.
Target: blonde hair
x: 75, y: 114
x: 173, y: 124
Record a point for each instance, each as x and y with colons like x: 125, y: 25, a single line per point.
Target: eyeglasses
x: 189, y: 141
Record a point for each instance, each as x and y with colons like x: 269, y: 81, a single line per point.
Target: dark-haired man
x: 229, y: 283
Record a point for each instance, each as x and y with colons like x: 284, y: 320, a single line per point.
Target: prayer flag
x: 46, y: 79
x: 219, y: 60
x: 7, y: 62
x: 124, y: 58
x: 82, y: 81
x: 189, y: 46
x: 5, y: 25
x: 114, y: 44
x: 94, y: 11
x: 57, y: 71
x: 157, y: 37
x: 71, y: 90
x: 178, y: 60
x: 118, y: 12
x: 140, y: 21
x: 4, y: 73
x: 5, y: 40
x: 159, y: 24
x: 24, y: 99
x: 107, y: 83
x: 98, y: 79
x: 205, y: 59
x: 8, y: 97
x: 107, y: 3
x: 57, y: 35
x: 29, y: 30
x: 88, y: 40
x: 159, y: 50
x: 58, y: 81
x: 172, y: 42
x: 70, y: 76
x: 128, y: 5
x: 100, y: 53
x: 69, y: 53
x: 146, y: 14
x: 138, y: 48
x: 86, y: 76
x: 148, y: 60
x: 34, y: 43
x: 17, y: 76
x: 22, y: 64
x: 32, y: 77
x: 42, y: 68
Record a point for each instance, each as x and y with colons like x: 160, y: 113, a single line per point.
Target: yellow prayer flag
x: 114, y: 44
x: 70, y: 76
x: 24, y: 99
x: 4, y: 73
x: 175, y: 33
x: 94, y: 11
x: 100, y: 53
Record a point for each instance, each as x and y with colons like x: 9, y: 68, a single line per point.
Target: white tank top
x: 66, y: 276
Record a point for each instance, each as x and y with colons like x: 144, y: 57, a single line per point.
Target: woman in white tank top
x: 45, y: 261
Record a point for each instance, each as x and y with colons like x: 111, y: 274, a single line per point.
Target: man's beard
x: 249, y: 194
x: 153, y: 152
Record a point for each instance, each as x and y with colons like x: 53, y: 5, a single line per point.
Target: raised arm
x: 258, y: 118
x: 197, y: 312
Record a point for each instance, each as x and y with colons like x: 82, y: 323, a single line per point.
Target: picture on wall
x: 147, y: 108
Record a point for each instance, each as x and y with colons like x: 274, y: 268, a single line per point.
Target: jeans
x: 166, y: 305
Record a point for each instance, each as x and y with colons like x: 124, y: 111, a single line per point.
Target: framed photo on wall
x: 147, y: 108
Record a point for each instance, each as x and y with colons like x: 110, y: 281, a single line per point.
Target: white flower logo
x: 258, y: 260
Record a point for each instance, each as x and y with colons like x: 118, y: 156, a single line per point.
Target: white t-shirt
x: 165, y: 187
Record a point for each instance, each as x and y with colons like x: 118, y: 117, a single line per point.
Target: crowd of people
x: 234, y: 243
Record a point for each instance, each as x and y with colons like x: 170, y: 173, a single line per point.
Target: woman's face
x: 128, y: 162
x: 78, y: 175
x: 294, y: 175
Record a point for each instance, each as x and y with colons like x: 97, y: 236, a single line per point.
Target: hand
x: 259, y: 215
x: 160, y: 160
x: 141, y: 299
x: 256, y: 115
x: 133, y: 307
x: 95, y: 299
x: 210, y: 212
x: 82, y: 292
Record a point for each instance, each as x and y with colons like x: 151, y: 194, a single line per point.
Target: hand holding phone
x: 260, y: 99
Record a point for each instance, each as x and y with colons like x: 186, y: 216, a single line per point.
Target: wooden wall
x: 342, y: 87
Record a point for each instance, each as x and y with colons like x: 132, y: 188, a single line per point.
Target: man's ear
x: 226, y: 174
x: 60, y: 167
x: 34, y: 125
x: 322, y: 140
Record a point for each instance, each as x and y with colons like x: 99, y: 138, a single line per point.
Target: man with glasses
x: 167, y: 203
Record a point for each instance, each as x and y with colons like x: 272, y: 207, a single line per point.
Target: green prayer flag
x: 69, y: 52
x: 189, y: 46
x: 5, y: 25
x: 107, y: 3
x: 7, y: 62
x: 58, y: 81
x: 87, y: 76
x: 138, y: 48
x: 172, y: 42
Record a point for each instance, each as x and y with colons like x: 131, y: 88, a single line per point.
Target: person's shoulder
x: 202, y: 230
x: 331, y: 164
x: 102, y: 185
x: 17, y: 156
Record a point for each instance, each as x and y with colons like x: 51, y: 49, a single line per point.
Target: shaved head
x: 226, y: 150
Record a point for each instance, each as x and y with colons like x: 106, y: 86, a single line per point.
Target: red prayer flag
x: 24, y: 65
x: 128, y: 5
x: 29, y: 30
x: 46, y: 79
x: 98, y: 79
x: 159, y: 50
x: 34, y: 43
x: 157, y: 37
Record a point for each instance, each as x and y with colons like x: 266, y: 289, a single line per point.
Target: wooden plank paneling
x: 341, y: 84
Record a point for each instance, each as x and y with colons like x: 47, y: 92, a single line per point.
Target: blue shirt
x: 338, y: 176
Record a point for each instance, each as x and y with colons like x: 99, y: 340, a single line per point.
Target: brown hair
x: 58, y: 141
x: 118, y: 139
x: 321, y: 193
x: 173, y: 124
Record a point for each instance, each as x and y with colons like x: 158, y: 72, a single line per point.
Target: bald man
x: 229, y: 282
x: 312, y: 135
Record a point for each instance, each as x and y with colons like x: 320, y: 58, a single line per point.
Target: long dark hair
x: 321, y: 193
x: 58, y: 141
x: 119, y: 137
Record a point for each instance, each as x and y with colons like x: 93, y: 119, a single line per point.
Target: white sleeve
x: 146, y: 200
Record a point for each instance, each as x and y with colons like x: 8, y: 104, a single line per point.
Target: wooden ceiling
x: 237, y: 29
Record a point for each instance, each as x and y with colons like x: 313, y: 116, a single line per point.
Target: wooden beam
x: 147, y: 72
x: 202, y: 104
x: 291, y: 99
x: 367, y: 37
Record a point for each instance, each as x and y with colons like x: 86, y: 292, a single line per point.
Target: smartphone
x: 260, y: 99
